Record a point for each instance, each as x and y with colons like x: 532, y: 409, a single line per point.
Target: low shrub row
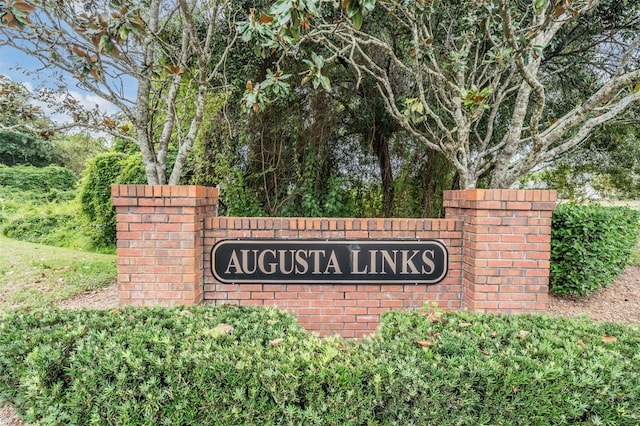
x: 53, y: 223
x: 231, y: 365
x: 590, y: 246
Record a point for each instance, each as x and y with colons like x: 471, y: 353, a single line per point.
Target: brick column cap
x: 501, y: 199
x: 165, y: 195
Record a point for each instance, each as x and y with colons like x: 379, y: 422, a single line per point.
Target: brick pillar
x: 160, y: 231
x: 506, y: 247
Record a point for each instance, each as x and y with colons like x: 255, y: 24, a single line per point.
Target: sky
x: 19, y: 68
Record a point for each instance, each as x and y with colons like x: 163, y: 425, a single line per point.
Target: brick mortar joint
x: 164, y: 191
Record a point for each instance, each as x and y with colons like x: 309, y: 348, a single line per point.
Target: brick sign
x: 338, y: 261
x: 336, y: 275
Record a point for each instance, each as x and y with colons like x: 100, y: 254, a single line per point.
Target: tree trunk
x: 437, y: 176
x: 148, y: 158
x: 381, y: 146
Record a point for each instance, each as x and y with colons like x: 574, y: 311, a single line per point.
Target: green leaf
x: 539, y: 5
x: 123, y: 33
x: 310, y: 6
x: 318, y: 60
x: 369, y: 5
x: 281, y: 7
x: 326, y: 84
x: 245, y: 31
x: 357, y: 20
x: 352, y: 8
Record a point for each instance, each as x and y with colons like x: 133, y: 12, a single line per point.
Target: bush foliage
x: 44, y: 205
x: 25, y: 148
x: 231, y: 365
x: 44, y: 224
x: 38, y: 205
x: 103, y: 171
x: 590, y: 246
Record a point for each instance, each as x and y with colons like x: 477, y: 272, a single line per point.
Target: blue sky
x: 9, y: 58
x: 21, y: 68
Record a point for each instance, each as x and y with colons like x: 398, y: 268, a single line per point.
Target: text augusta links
x: 336, y: 261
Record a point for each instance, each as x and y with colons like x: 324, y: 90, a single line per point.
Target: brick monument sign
x: 336, y: 275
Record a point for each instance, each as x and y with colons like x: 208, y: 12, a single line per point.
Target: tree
x: 15, y: 105
x: 608, y: 167
x: 484, y: 79
x: 25, y: 148
x: 171, y: 52
x: 313, y: 152
x: 75, y: 150
x: 18, y: 145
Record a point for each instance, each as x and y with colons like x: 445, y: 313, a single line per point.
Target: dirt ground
x: 618, y: 303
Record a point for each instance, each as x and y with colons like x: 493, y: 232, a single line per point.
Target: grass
x: 35, y: 275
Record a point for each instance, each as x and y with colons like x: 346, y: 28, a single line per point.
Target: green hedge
x: 230, y: 366
x: 38, y: 205
x: 590, y: 246
x: 44, y: 224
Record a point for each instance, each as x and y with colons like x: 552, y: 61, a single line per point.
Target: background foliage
x: 44, y: 180
x: 25, y: 148
x: 607, y: 168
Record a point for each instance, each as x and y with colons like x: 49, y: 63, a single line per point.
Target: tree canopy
x: 157, y: 61
x: 16, y: 108
x: 487, y: 90
x: 496, y: 86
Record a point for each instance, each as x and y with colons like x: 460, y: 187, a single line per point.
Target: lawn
x: 35, y: 275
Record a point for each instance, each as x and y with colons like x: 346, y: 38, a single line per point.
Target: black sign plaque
x: 333, y: 261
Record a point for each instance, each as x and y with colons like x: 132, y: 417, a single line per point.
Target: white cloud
x: 87, y: 100
x: 25, y: 70
x: 90, y: 101
x: 27, y: 85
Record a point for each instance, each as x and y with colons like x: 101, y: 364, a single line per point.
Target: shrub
x: 37, y: 205
x: 95, y: 191
x: 38, y: 223
x: 470, y: 369
x: 590, y: 246
x: 54, y: 224
x: 133, y: 171
x: 238, y: 365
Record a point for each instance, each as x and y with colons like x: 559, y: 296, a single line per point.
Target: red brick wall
x: 160, y: 234
x: 351, y: 310
x: 506, y: 247
x: 498, y: 243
